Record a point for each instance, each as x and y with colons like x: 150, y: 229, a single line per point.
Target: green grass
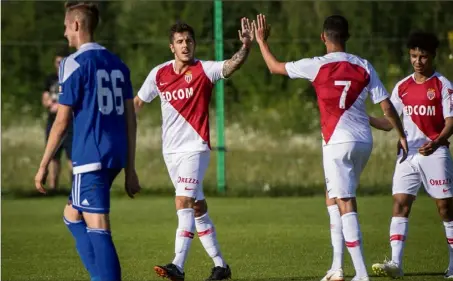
x: 263, y: 239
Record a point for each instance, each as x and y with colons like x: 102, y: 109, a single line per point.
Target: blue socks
x: 96, y: 250
x: 106, y: 258
x: 83, y: 246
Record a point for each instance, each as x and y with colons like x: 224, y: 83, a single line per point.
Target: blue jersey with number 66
x: 95, y: 83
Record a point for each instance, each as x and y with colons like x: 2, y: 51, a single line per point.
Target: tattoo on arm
x: 235, y: 62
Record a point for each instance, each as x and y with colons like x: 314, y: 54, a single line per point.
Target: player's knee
x: 97, y: 221
x: 402, y: 205
x: 401, y: 210
x: 200, y: 208
x: 445, y: 208
x: 71, y: 214
x: 183, y: 202
x: 346, y: 205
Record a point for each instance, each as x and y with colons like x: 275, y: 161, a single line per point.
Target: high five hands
x: 262, y: 29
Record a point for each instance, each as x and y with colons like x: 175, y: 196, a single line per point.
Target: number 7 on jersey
x: 347, y: 85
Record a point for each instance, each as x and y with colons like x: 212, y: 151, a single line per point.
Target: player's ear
x: 76, y: 25
x: 323, y: 38
x: 172, y: 48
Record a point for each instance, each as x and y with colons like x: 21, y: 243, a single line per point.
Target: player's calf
x: 445, y: 208
x: 184, y: 236
x: 78, y: 228
x: 107, y: 260
x: 91, y: 196
x: 352, y: 234
x: 336, y: 235
x: 207, y: 234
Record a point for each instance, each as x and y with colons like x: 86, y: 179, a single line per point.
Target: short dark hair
x: 422, y: 40
x: 88, y: 10
x: 180, y: 27
x: 336, y: 28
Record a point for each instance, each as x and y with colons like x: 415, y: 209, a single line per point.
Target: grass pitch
x: 263, y: 239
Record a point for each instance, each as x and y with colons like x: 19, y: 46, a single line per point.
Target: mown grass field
x: 263, y: 239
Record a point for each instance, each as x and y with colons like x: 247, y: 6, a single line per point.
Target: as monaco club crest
x: 188, y: 76
x: 431, y: 93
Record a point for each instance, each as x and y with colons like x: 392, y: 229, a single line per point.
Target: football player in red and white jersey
x: 184, y: 86
x: 425, y: 99
x: 342, y: 82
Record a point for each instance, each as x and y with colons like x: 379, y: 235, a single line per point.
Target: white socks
x: 207, y: 235
x: 336, y: 235
x: 352, y: 236
x: 398, y: 233
x: 449, y: 234
x: 184, y: 236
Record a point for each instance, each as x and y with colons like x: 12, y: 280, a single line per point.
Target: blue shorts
x: 91, y: 191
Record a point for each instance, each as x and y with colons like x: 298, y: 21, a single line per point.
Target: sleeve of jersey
x: 396, y: 101
x: 214, y: 70
x: 304, y: 68
x: 149, y: 89
x: 70, y: 79
x: 447, y: 99
x: 377, y: 90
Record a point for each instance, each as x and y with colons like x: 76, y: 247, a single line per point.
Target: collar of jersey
x: 413, y: 78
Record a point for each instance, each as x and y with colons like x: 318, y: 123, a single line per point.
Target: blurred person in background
x: 50, y: 102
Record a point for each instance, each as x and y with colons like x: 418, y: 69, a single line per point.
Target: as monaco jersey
x: 424, y: 107
x: 342, y: 82
x: 185, y: 101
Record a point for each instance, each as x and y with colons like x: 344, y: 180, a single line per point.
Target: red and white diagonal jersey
x: 185, y: 101
x: 342, y: 82
x: 424, y: 107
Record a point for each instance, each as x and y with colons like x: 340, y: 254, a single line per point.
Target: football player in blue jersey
x: 95, y: 89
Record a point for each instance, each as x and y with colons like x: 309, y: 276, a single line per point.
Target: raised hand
x: 262, y: 29
x: 246, y: 34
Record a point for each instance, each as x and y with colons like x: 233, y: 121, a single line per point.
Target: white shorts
x: 343, y: 164
x: 434, y: 171
x: 187, y: 171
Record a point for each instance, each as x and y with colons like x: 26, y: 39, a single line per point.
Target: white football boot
x: 334, y: 275
x: 448, y: 274
x: 387, y: 268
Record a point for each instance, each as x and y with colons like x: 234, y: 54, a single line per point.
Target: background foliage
x: 272, y: 122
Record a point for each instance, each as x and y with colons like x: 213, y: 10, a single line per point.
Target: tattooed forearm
x: 236, y: 61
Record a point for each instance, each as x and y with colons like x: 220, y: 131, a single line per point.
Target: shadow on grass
x: 316, y: 278
x: 424, y: 274
x: 304, y: 278
x: 210, y: 191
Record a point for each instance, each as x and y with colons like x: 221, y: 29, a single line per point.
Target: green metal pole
x: 219, y: 90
